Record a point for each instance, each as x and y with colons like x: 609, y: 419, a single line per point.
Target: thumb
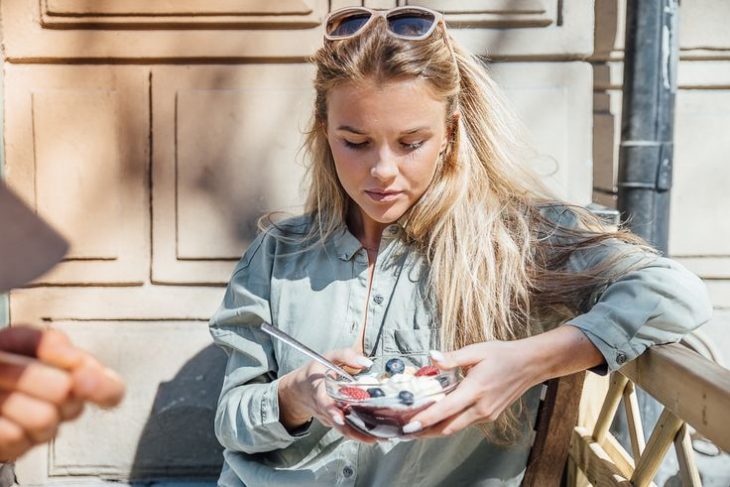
x: 462, y: 357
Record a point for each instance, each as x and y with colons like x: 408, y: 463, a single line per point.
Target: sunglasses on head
x: 410, y: 23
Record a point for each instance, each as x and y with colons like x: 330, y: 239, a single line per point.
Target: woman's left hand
x: 499, y: 372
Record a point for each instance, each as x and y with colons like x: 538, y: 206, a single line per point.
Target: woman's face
x: 386, y: 140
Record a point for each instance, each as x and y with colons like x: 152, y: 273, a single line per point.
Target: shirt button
x: 621, y: 358
x: 393, y: 229
x: 348, y: 472
x: 378, y: 299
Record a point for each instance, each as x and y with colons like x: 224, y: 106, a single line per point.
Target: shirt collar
x: 346, y: 245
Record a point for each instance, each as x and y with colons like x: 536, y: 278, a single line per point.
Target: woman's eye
x: 412, y: 145
x: 355, y: 145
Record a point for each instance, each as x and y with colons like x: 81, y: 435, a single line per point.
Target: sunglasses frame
x: 438, y: 18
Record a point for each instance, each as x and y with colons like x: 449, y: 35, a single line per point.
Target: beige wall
x: 153, y: 133
x: 700, y: 224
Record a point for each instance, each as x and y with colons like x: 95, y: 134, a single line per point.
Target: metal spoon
x: 289, y: 340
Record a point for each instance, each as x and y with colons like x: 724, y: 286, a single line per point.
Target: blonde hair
x: 494, y: 275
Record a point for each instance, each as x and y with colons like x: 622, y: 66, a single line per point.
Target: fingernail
x: 338, y: 420
x: 364, y: 361
x: 412, y: 427
x: 437, y: 356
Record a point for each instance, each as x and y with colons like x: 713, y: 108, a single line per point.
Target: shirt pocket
x: 412, y: 340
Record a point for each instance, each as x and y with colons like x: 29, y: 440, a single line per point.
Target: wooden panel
x: 555, y: 102
x: 701, y: 174
x: 146, y: 13
x: 556, y: 419
x: 225, y: 151
x: 83, y: 304
x: 177, y: 7
x: 78, y: 156
x: 690, y: 386
x: 32, y: 34
x: 499, y: 13
x: 164, y: 426
x: 708, y: 267
x: 77, y: 144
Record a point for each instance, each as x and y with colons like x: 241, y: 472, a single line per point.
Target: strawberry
x: 427, y: 370
x: 354, y: 393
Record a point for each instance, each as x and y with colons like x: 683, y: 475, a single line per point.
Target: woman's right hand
x: 303, y: 395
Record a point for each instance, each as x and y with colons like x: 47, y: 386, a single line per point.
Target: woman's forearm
x: 561, y: 351
x: 292, y: 414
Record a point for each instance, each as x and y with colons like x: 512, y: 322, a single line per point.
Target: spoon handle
x: 289, y: 340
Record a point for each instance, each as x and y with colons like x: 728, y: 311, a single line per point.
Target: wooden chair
x: 557, y: 416
x: 693, y: 390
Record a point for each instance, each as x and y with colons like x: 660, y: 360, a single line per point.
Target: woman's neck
x: 365, y: 229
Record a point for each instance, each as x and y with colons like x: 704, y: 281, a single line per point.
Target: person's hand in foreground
x: 44, y: 381
x: 498, y: 373
x: 303, y: 395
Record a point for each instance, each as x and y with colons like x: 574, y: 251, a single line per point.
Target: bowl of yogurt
x: 384, y: 398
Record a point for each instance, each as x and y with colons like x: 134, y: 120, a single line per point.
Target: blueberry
x: 395, y: 366
x: 376, y: 392
x: 444, y: 380
x: 406, y: 397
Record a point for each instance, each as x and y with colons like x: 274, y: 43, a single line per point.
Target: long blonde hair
x: 493, y: 273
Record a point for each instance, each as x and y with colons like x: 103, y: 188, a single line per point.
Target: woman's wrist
x: 292, y: 413
x: 559, y: 352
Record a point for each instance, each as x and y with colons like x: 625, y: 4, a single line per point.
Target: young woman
x: 424, y: 231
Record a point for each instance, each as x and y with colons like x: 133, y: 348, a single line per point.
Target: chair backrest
x: 556, y: 419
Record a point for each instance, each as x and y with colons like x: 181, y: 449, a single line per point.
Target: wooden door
x: 153, y: 134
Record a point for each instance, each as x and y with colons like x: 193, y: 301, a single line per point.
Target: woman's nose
x: 386, y: 167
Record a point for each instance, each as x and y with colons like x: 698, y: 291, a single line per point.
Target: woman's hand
x: 303, y: 395
x: 498, y: 374
x: 44, y: 381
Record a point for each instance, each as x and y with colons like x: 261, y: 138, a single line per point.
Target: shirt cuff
x: 611, y: 341
x: 271, y: 418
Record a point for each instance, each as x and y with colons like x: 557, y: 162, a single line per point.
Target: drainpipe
x: 647, y: 141
x: 647, y: 118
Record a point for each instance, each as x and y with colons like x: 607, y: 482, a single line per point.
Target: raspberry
x: 354, y: 393
x: 427, y: 370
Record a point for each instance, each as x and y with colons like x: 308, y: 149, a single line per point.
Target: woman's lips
x: 383, y: 195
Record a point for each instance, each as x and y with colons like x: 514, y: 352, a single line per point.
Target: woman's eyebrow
x: 417, y: 129
x: 350, y: 129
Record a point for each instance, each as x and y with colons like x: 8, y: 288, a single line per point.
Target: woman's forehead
x: 408, y: 99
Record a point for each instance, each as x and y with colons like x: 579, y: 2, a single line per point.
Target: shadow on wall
x: 178, y: 439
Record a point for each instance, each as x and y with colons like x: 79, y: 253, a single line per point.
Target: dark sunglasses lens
x: 347, y: 25
x: 411, y: 24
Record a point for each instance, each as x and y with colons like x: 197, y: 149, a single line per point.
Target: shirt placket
x: 381, y: 292
x: 348, y: 472
x: 358, y: 295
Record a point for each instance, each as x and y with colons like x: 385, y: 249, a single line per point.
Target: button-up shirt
x: 320, y: 293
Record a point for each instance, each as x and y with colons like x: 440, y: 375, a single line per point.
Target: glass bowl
x: 400, y: 394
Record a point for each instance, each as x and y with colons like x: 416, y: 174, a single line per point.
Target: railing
x: 692, y: 389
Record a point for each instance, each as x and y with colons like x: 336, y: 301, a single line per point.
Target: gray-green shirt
x: 319, y: 295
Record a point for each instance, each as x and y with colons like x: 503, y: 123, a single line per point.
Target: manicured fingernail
x: 437, y: 356
x: 364, y: 361
x: 338, y: 420
x: 412, y: 427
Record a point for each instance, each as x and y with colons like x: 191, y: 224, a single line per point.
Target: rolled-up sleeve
x: 247, y: 416
x: 657, y: 301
